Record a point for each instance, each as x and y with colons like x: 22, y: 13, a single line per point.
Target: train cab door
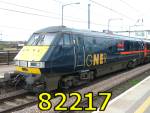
x: 79, y: 51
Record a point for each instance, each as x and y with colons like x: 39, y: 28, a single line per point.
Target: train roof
x: 85, y: 32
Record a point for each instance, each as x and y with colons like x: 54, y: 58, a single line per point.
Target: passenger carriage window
x: 66, y: 39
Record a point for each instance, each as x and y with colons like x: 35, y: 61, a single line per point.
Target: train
x: 61, y: 57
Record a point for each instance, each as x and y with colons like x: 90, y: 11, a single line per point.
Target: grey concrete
x: 130, y: 101
x: 5, y: 71
x: 6, y: 68
x: 148, y: 110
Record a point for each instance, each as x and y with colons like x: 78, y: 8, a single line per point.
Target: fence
x: 6, y: 57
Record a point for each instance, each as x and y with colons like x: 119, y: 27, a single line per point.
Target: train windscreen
x: 41, y: 39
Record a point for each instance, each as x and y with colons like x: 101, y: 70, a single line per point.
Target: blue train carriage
x: 62, y: 57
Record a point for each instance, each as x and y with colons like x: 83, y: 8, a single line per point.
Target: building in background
x: 134, y: 33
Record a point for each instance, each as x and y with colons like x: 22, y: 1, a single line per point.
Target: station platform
x: 6, y: 68
x: 134, y: 100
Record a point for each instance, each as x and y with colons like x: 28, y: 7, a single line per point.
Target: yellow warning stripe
x: 144, y: 106
x: 28, y: 70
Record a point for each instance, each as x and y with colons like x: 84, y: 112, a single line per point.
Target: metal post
x: 89, y: 5
x: 129, y: 31
x: 63, y: 11
x: 108, y: 24
x: 62, y: 14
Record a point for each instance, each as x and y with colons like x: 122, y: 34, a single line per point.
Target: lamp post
x: 89, y: 5
x: 111, y: 19
x: 63, y: 10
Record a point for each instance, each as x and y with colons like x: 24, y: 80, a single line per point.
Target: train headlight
x: 16, y: 63
x: 36, y: 64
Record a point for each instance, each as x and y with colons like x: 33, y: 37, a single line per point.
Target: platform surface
x: 6, y: 68
x: 134, y: 100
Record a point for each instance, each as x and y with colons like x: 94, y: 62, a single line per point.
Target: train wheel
x: 69, y: 83
x: 66, y: 84
x: 131, y: 64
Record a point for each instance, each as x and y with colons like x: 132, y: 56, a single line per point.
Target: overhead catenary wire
x: 12, y: 27
x: 9, y: 3
x: 27, y: 7
x: 41, y: 15
x: 127, y: 4
x: 58, y: 1
x: 58, y: 18
x: 113, y: 10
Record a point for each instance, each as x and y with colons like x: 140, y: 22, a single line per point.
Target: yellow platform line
x: 144, y: 106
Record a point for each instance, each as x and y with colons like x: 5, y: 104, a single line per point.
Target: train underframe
x: 48, y: 82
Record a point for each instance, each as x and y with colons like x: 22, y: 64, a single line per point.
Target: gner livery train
x: 57, y: 57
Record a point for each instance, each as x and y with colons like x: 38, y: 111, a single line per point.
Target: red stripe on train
x: 131, y: 52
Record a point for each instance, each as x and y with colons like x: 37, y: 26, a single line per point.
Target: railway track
x: 98, y: 86
x: 16, y: 100
x: 5, y: 81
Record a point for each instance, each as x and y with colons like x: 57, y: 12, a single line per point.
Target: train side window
x: 127, y: 46
x: 66, y: 39
x: 132, y: 47
x: 136, y: 46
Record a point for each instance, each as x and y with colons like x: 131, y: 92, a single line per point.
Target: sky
x: 20, y: 18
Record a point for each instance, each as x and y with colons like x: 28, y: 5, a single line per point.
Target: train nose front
x: 32, y: 53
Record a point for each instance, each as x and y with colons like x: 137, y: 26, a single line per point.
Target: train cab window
x: 61, y: 41
x: 66, y: 39
x: 42, y: 39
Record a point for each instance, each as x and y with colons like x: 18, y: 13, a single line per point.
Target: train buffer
x: 134, y: 100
